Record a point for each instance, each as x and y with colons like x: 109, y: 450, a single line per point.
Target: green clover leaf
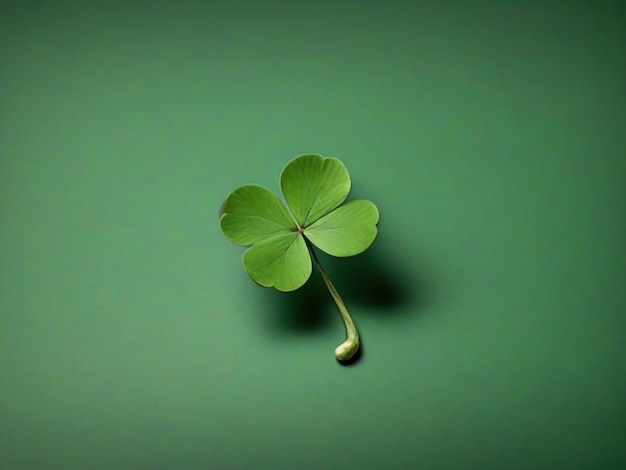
x: 313, y: 187
x: 281, y: 238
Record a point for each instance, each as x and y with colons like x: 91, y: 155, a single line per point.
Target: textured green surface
x: 492, y: 305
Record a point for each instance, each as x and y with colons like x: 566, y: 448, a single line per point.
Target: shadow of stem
x: 370, y: 279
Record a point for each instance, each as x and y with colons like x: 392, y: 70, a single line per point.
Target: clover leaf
x: 281, y: 238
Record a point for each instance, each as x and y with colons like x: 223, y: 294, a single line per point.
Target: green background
x: 492, y: 137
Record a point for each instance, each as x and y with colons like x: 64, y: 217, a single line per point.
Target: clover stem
x: 346, y: 350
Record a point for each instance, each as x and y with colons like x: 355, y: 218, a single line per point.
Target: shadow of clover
x: 369, y: 279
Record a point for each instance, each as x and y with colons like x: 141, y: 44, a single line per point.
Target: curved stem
x: 346, y: 350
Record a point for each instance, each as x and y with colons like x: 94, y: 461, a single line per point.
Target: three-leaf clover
x: 281, y: 238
